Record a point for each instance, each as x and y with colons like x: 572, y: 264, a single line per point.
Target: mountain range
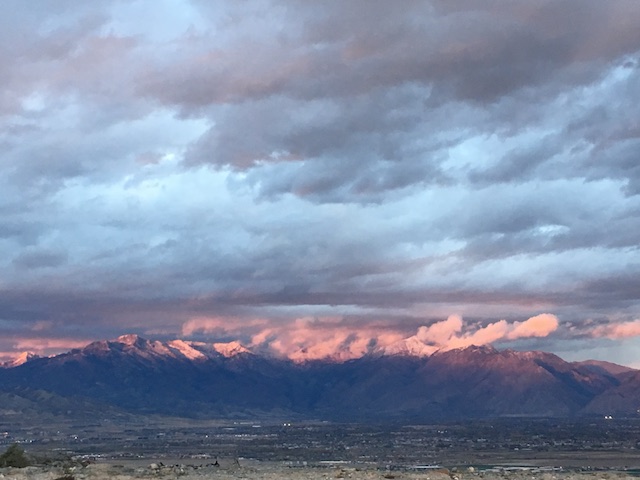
x: 133, y: 375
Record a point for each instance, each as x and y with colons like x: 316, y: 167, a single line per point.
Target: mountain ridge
x: 198, y: 350
x: 197, y: 379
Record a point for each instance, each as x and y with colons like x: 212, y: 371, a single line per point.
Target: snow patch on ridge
x: 186, y: 349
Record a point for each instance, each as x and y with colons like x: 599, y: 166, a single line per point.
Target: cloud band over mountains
x: 312, y: 339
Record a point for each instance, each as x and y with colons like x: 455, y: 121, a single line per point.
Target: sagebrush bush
x: 14, y: 457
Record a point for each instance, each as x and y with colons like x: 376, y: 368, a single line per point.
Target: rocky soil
x: 235, y: 470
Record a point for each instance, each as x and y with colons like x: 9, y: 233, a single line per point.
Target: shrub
x: 14, y: 457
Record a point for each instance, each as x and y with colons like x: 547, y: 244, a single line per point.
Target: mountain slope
x: 25, y: 405
x: 487, y: 382
x: 603, y: 367
x: 623, y: 399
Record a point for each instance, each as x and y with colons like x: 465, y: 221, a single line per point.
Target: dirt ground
x: 235, y: 470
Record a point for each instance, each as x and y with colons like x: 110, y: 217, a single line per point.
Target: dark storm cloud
x: 478, y: 52
x: 614, y: 292
x: 355, y: 88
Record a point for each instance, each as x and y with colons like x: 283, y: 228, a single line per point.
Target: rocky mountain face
x: 132, y: 374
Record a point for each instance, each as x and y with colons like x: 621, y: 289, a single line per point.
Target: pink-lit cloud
x: 440, y: 333
x: 538, y: 326
x: 482, y: 336
x: 451, y: 333
x: 617, y: 330
x: 41, y: 346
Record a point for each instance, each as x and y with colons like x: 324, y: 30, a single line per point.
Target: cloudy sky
x: 315, y: 176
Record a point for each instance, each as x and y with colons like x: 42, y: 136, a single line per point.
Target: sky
x: 321, y: 178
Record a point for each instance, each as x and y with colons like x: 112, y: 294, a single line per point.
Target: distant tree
x: 14, y: 457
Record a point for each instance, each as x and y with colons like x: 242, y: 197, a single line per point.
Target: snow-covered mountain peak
x: 411, y: 346
x: 230, y: 349
x: 177, y: 349
x: 20, y: 359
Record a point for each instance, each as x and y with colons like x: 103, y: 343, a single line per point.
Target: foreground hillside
x: 135, y: 375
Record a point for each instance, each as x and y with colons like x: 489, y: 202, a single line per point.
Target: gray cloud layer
x: 278, y: 160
